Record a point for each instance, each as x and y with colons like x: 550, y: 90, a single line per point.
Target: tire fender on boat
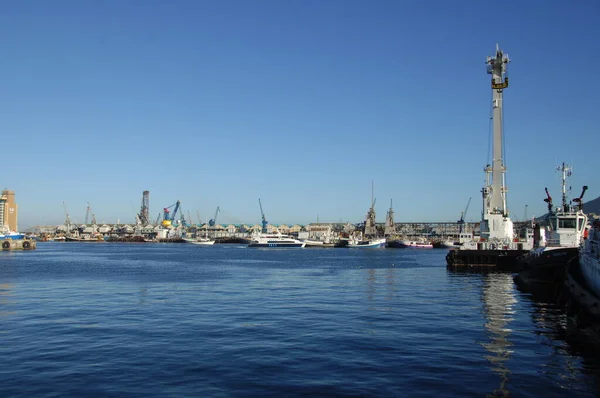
x: 26, y: 245
x: 6, y: 244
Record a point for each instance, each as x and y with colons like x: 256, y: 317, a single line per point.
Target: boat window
x: 553, y: 224
x: 567, y: 223
x: 580, y: 224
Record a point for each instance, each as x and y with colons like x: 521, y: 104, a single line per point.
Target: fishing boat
x: 275, y: 241
x: 498, y: 245
x: 11, y: 235
x: 558, y: 243
x: 357, y: 242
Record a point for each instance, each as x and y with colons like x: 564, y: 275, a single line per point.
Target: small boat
x: 275, y: 241
x: 449, y: 244
x: 406, y: 243
x: 7, y: 234
x: 12, y: 236
x: 359, y: 243
x: 200, y: 241
x: 317, y: 243
x: 84, y: 238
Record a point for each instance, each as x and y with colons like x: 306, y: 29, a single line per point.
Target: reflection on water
x: 389, y: 279
x: 6, y: 291
x: 576, y: 352
x: 498, y: 302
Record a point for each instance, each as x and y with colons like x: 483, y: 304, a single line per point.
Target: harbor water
x: 178, y: 320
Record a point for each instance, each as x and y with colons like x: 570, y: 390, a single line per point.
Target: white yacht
x: 275, y: 241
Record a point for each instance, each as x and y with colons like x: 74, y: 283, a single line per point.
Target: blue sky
x: 300, y: 103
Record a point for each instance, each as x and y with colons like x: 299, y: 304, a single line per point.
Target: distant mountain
x: 593, y: 206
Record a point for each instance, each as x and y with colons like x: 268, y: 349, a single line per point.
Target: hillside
x: 593, y: 206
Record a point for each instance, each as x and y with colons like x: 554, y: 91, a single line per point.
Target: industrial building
x: 8, y: 210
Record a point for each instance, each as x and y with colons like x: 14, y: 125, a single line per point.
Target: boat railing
x: 555, y: 242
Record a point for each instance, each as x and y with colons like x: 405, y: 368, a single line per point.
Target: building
x: 8, y: 210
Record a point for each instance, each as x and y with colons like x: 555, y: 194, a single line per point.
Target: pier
x: 18, y: 244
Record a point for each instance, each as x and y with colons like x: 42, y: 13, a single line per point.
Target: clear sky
x: 302, y: 103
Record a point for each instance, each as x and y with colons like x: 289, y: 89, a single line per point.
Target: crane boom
x: 463, y: 215
x: 169, y: 218
x: 213, y: 221
x: 264, y: 220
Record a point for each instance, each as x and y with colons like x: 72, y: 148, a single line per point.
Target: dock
x: 18, y: 244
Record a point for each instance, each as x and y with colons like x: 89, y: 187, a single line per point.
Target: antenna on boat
x: 565, y: 170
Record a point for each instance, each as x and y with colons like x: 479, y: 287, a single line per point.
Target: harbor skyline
x: 300, y: 104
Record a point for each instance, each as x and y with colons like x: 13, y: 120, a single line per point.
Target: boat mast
x: 565, y: 170
x: 495, y: 220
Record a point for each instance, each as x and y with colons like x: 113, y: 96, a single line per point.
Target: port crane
x: 168, y: 218
x: 87, y: 214
x: 463, y: 214
x: 213, y: 220
x: 264, y: 220
x: 144, y: 215
x: 548, y: 200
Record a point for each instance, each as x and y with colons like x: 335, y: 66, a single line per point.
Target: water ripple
x: 123, y: 320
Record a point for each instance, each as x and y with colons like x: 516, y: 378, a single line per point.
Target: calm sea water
x: 176, y: 320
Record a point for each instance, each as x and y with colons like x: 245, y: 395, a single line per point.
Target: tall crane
x: 264, y: 220
x: 169, y: 218
x: 463, y: 214
x: 144, y: 215
x: 67, y: 219
x: 87, y: 213
x: 213, y: 221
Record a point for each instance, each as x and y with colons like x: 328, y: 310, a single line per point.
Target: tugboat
x: 558, y: 243
x: 498, y: 245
